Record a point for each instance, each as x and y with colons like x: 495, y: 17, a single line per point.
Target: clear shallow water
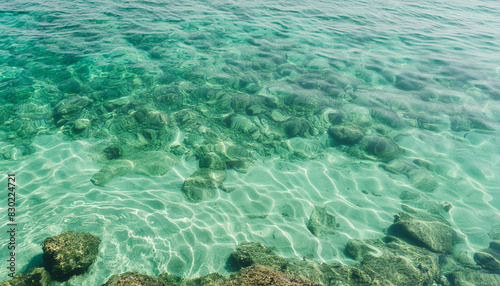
x: 432, y: 63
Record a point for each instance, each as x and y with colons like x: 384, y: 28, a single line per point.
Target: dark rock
x: 387, y: 117
x: 203, y: 184
x: 70, y: 253
x: 133, y: 279
x: 487, y: 262
x: 298, y: 127
x: 495, y: 247
x: 113, y: 152
x: 408, y: 82
x: 213, y: 161
x: 345, y: 135
x: 70, y: 86
x: 321, y: 222
x: 351, y: 275
x: 382, y: 148
x: 430, y: 231
x: 254, y: 253
x: 395, y: 261
x: 71, y: 105
x: 303, y: 102
x: 258, y: 275
x: 34, y: 277
x: 473, y: 278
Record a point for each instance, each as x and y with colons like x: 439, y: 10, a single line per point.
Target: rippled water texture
x: 268, y: 79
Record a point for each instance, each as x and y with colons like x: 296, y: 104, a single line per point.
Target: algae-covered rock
x: 70, y: 253
x: 387, y: 117
x: 382, y: 148
x: 298, y: 127
x: 203, y: 184
x: 34, y: 277
x: 473, y: 278
x: 430, y: 231
x: 258, y: 275
x: 488, y: 260
x: 133, y: 279
x: 213, y: 161
x: 396, y: 261
x: 321, y: 222
x: 345, y: 135
x: 72, y: 105
x: 254, y: 253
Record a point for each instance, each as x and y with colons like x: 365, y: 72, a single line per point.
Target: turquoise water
x: 268, y: 76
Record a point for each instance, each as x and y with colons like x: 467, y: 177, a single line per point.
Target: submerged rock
x: 426, y: 230
x: 384, y: 263
x: 387, y: 117
x: 34, y: 277
x: 382, y: 148
x: 150, y: 163
x: 345, y: 135
x: 278, y: 116
x: 321, y: 222
x: 487, y: 261
x: 395, y: 262
x: 70, y: 253
x: 72, y: 105
x: 258, y: 275
x: 254, y: 253
x: 203, y: 184
x: 298, y: 127
x: 473, y: 278
x: 133, y: 279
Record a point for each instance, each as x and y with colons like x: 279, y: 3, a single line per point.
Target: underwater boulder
x: 279, y: 116
x: 203, y: 184
x: 212, y: 160
x: 345, y: 135
x: 387, y: 117
x: 394, y: 261
x: 489, y: 258
x: 321, y: 222
x: 382, y: 148
x: 258, y: 275
x: 34, y: 277
x: 430, y: 231
x: 303, y: 102
x: 81, y: 124
x: 298, y: 127
x: 254, y: 253
x: 487, y: 261
x: 133, y: 279
x: 71, y: 105
x: 473, y: 278
x: 70, y: 253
